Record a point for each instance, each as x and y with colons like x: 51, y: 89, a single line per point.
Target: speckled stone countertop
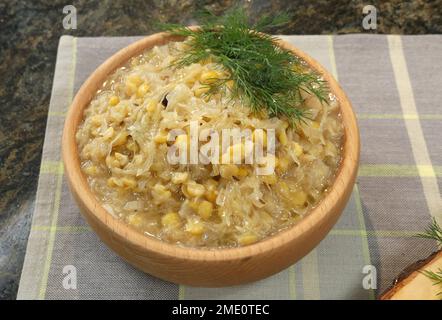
x: 30, y: 31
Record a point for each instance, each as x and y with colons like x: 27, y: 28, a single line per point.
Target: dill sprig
x: 265, y: 76
x: 434, y: 232
x: 436, y: 277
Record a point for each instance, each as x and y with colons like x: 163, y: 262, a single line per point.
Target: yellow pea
x: 193, y: 205
x: 211, y: 195
x: 298, y: 198
x: 179, y: 177
x: 210, y: 77
x: 194, y: 228
x: 330, y: 149
x: 211, y: 190
x: 205, y: 209
x: 109, y: 133
x: 228, y: 170
x: 128, y: 183
x: 247, y: 238
x: 198, y: 92
x: 122, y: 158
x: 132, y: 145
x: 114, y: 100
x: 151, y: 106
x: 120, y: 139
x: 113, y: 182
x: 135, y: 79
x: 195, y: 189
x: 135, y: 220
x: 96, y: 120
x: 130, y: 89
x: 160, y: 138
x: 243, y: 172
x: 298, y: 149
x: 171, y: 220
x: 142, y: 90
x: 282, y: 137
x: 91, y: 170
x: 211, y: 184
x: 160, y: 193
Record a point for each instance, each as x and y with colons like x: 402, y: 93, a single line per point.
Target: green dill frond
x: 436, y: 277
x: 265, y: 76
x: 434, y: 231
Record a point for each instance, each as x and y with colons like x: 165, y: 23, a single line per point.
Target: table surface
x: 28, y: 44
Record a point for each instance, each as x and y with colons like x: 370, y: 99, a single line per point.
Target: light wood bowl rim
x: 78, y: 183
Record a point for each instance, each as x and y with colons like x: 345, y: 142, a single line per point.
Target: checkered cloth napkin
x: 394, y: 83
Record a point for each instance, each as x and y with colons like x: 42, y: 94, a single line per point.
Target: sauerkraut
x: 125, y: 137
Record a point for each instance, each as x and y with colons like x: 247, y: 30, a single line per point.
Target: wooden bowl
x: 208, y: 267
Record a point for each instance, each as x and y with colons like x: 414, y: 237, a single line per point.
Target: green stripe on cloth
x: 292, y: 282
x: 57, y: 195
x: 52, y: 232
x: 394, y: 170
x: 181, y: 292
x: 365, y: 170
x: 376, y: 233
x: 359, y: 210
x: 310, y: 276
x: 51, y: 167
x: 65, y: 229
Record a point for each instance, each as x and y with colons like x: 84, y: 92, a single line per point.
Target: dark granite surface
x: 29, y: 35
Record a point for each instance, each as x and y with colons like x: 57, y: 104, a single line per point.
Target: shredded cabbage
x: 123, y: 150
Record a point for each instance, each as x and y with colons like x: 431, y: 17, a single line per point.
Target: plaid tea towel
x: 394, y: 85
